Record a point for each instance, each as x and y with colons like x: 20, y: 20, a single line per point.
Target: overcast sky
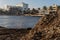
x: 32, y: 3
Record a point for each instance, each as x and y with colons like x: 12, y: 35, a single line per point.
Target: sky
x: 32, y: 3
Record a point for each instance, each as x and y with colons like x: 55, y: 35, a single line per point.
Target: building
x: 53, y: 8
x: 19, y: 7
x: 8, y: 7
x: 43, y: 12
x: 5, y: 7
x: 23, y: 5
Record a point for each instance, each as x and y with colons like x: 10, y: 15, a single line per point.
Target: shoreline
x: 13, y: 34
x: 24, y: 15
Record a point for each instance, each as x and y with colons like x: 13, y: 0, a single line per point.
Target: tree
x: 50, y: 7
x: 28, y: 11
x: 34, y: 11
x: 44, y: 7
x: 38, y: 8
x: 58, y: 7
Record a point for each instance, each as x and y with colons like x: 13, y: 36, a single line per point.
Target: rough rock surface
x: 47, y: 28
x: 12, y: 34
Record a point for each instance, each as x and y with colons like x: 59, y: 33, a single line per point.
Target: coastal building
x: 8, y: 7
x: 13, y: 7
x: 53, y: 8
x: 23, y: 5
x: 43, y: 12
x: 19, y: 7
x: 5, y: 7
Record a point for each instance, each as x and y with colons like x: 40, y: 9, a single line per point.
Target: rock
x: 47, y: 28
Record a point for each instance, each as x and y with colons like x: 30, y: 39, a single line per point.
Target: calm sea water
x: 18, y: 21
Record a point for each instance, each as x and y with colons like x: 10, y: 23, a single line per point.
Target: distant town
x: 22, y: 9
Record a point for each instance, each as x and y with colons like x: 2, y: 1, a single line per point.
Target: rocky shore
x: 12, y: 34
x: 47, y: 28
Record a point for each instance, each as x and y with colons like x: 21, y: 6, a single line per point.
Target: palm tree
x: 51, y: 7
x: 38, y: 8
x: 44, y: 8
x: 34, y: 11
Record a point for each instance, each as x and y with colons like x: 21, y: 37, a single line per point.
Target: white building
x: 53, y: 8
x: 7, y: 7
x: 23, y: 5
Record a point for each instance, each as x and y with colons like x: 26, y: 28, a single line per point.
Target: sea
x: 18, y: 21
